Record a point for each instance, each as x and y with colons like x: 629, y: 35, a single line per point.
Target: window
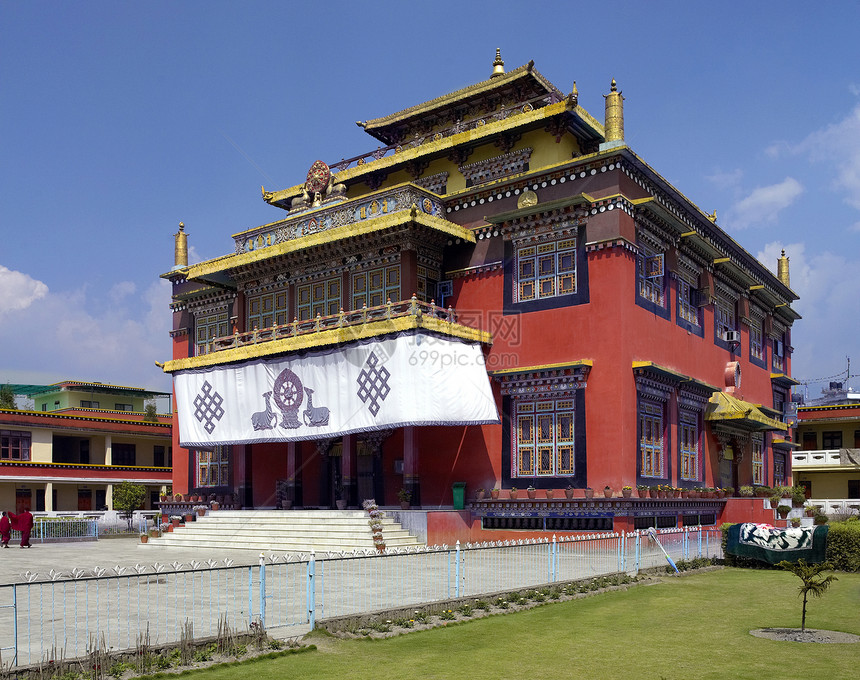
x: 426, y: 285
x: 778, y: 469
x: 545, y: 270
x: 689, y: 442
x: 756, y: 344
x: 318, y: 298
x: 266, y: 310
x: 89, y: 404
x: 213, y: 466
x: 376, y: 286
x: 778, y: 356
x: 123, y: 454
x: 14, y: 445
x: 724, y: 316
x: 158, y: 456
x: 544, y: 440
x: 123, y: 407
x: 857, y: 439
x: 651, y: 439
x: 651, y: 276
x: 810, y: 441
x: 757, y: 459
x: 207, y: 328
x: 688, y: 309
x: 831, y: 440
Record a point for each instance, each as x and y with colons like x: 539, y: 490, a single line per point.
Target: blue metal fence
x: 287, y: 594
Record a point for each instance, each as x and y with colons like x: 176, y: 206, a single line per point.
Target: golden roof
x: 723, y: 407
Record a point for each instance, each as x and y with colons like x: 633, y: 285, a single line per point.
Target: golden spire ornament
x: 498, y: 65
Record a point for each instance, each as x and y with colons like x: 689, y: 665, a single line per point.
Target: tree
x: 150, y: 412
x: 127, y: 498
x: 813, y: 582
x: 7, y: 398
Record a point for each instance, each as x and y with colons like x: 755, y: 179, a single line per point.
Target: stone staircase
x: 283, y: 531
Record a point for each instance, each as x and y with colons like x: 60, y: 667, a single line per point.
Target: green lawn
x: 691, y: 627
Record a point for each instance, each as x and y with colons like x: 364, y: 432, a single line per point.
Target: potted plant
x: 746, y: 492
x: 589, y: 492
x: 795, y: 522
x: 189, y: 517
x: 729, y: 491
x: 607, y: 491
x: 531, y: 491
x: 809, y: 510
x: 177, y: 497
x: 568, y: 491
x: 626, y: 491
x: 480, y: 493
x: 798, y: 496
x: 494, y: 493
x: 404, y: 497
x: 550, y: 493
x: 512, y: 494
x: 200, y: 510
x: 654, y: 491
x: 153, y: 533
x: 175, y: 520
x: 144, y: 538
x: 215, y: 505
x: 642, y: 490
x: 783, y: 511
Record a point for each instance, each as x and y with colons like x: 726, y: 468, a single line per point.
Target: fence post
x: 250, y: 595
x: 700, y: 542
x: 311, y: 594
x: 551, y: 561
x: 15, y: 622
x: 457, y: 572
x: 638, y: 552
x: 262, y: 591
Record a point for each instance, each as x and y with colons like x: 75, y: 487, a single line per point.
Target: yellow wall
x: 847, y: 430
x: 40, y: 445
x: 828, y: 484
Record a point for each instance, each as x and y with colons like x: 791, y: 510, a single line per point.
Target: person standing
x: 5, y: 530
x: 25, y: 526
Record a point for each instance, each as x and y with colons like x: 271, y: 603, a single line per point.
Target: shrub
x: 843, y: 545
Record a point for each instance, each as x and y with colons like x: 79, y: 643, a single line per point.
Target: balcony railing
x: 354, y: 319
x: 460, y: 126
x: 836, y: 506
x: 800, y: 459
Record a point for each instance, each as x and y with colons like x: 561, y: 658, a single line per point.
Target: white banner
x: 411, y: 379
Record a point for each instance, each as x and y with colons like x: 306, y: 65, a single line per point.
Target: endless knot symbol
x: 207, y: 407
x: 373, y: 384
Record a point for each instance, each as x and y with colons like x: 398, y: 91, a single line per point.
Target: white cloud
x: 726, y: 180
x: 763, y: 204
x: 18, y: 290
x: 837, y: 145
x: 828, y: 303
x: 121, y: 290
x: 60, y: 336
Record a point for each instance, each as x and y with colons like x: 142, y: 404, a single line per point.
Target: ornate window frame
x: 322, y: 296
x: 758, y: 456
x: 212, y: 467
x: 15, y: 444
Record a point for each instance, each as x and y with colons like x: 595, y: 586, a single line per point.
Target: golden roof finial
x: 782, y: 270
x: 498, y: 65
x: 713, y: 217
x: 613, y: 127
x: 180, y: 251
x: 573, y: 97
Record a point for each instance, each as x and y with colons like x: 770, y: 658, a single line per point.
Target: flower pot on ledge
x: 568, y: 493
x: 550, y: 493
x: 627, y: 493
x: 607, y: 492
x: 494, y: 494
x: 532, y: 493
x: 512, y: 494
x: 589, y: 493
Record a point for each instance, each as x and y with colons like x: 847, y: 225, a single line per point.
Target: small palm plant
x: 813, y: 582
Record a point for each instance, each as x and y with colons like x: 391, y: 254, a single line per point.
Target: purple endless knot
x: 372, y: 384
x: 207, y: 407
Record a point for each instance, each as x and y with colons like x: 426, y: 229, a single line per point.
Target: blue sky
x: 119, y: 120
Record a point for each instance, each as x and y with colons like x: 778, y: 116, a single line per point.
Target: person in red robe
x: 5, y: 530
x: 25, y: 526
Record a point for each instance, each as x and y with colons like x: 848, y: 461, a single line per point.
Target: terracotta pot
x: 607, y: 493
x: 550, y: 493
x: 479, y: 495
x: 512, y: 494
x: 215, y: 505
x: 568, y: 493
x: 144, y: 538
x: 685, y: 494
x: 494, y: 493
x: 170, y: 528
x: 531, y: 493
x: 626, y: 493
x: 653, y: 493
x: 642, y: 493
x: 404, y: 505
x: 189, y: 517
x: 589, y: 493
x: 201, y: 512
x: 175, y: 522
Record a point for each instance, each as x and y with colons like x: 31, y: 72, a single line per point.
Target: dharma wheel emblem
x: 318, y: 177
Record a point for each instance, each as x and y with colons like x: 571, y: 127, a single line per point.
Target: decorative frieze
x: 497, y: 167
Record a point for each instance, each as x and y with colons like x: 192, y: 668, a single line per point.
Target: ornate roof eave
x: 222, y: 265
x: 646, y: 368
x: 710, y: 234
x: 545, y: 379
x: 549, y: 206
x: 724, y: 409
x: 581, y: 120
x: 783, y: 380
x: 377, y: 126
x: 330, y: 337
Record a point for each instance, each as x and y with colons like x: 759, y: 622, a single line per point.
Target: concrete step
x: 284, y: 531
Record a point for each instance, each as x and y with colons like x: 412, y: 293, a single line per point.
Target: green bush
x: 843, y: 545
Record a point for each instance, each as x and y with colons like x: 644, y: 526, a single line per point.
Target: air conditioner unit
x: 732, y: 336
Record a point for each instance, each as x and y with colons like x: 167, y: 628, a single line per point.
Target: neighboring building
x: 828, y: 461
x: 533, y: 261
x: 79, y: 440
